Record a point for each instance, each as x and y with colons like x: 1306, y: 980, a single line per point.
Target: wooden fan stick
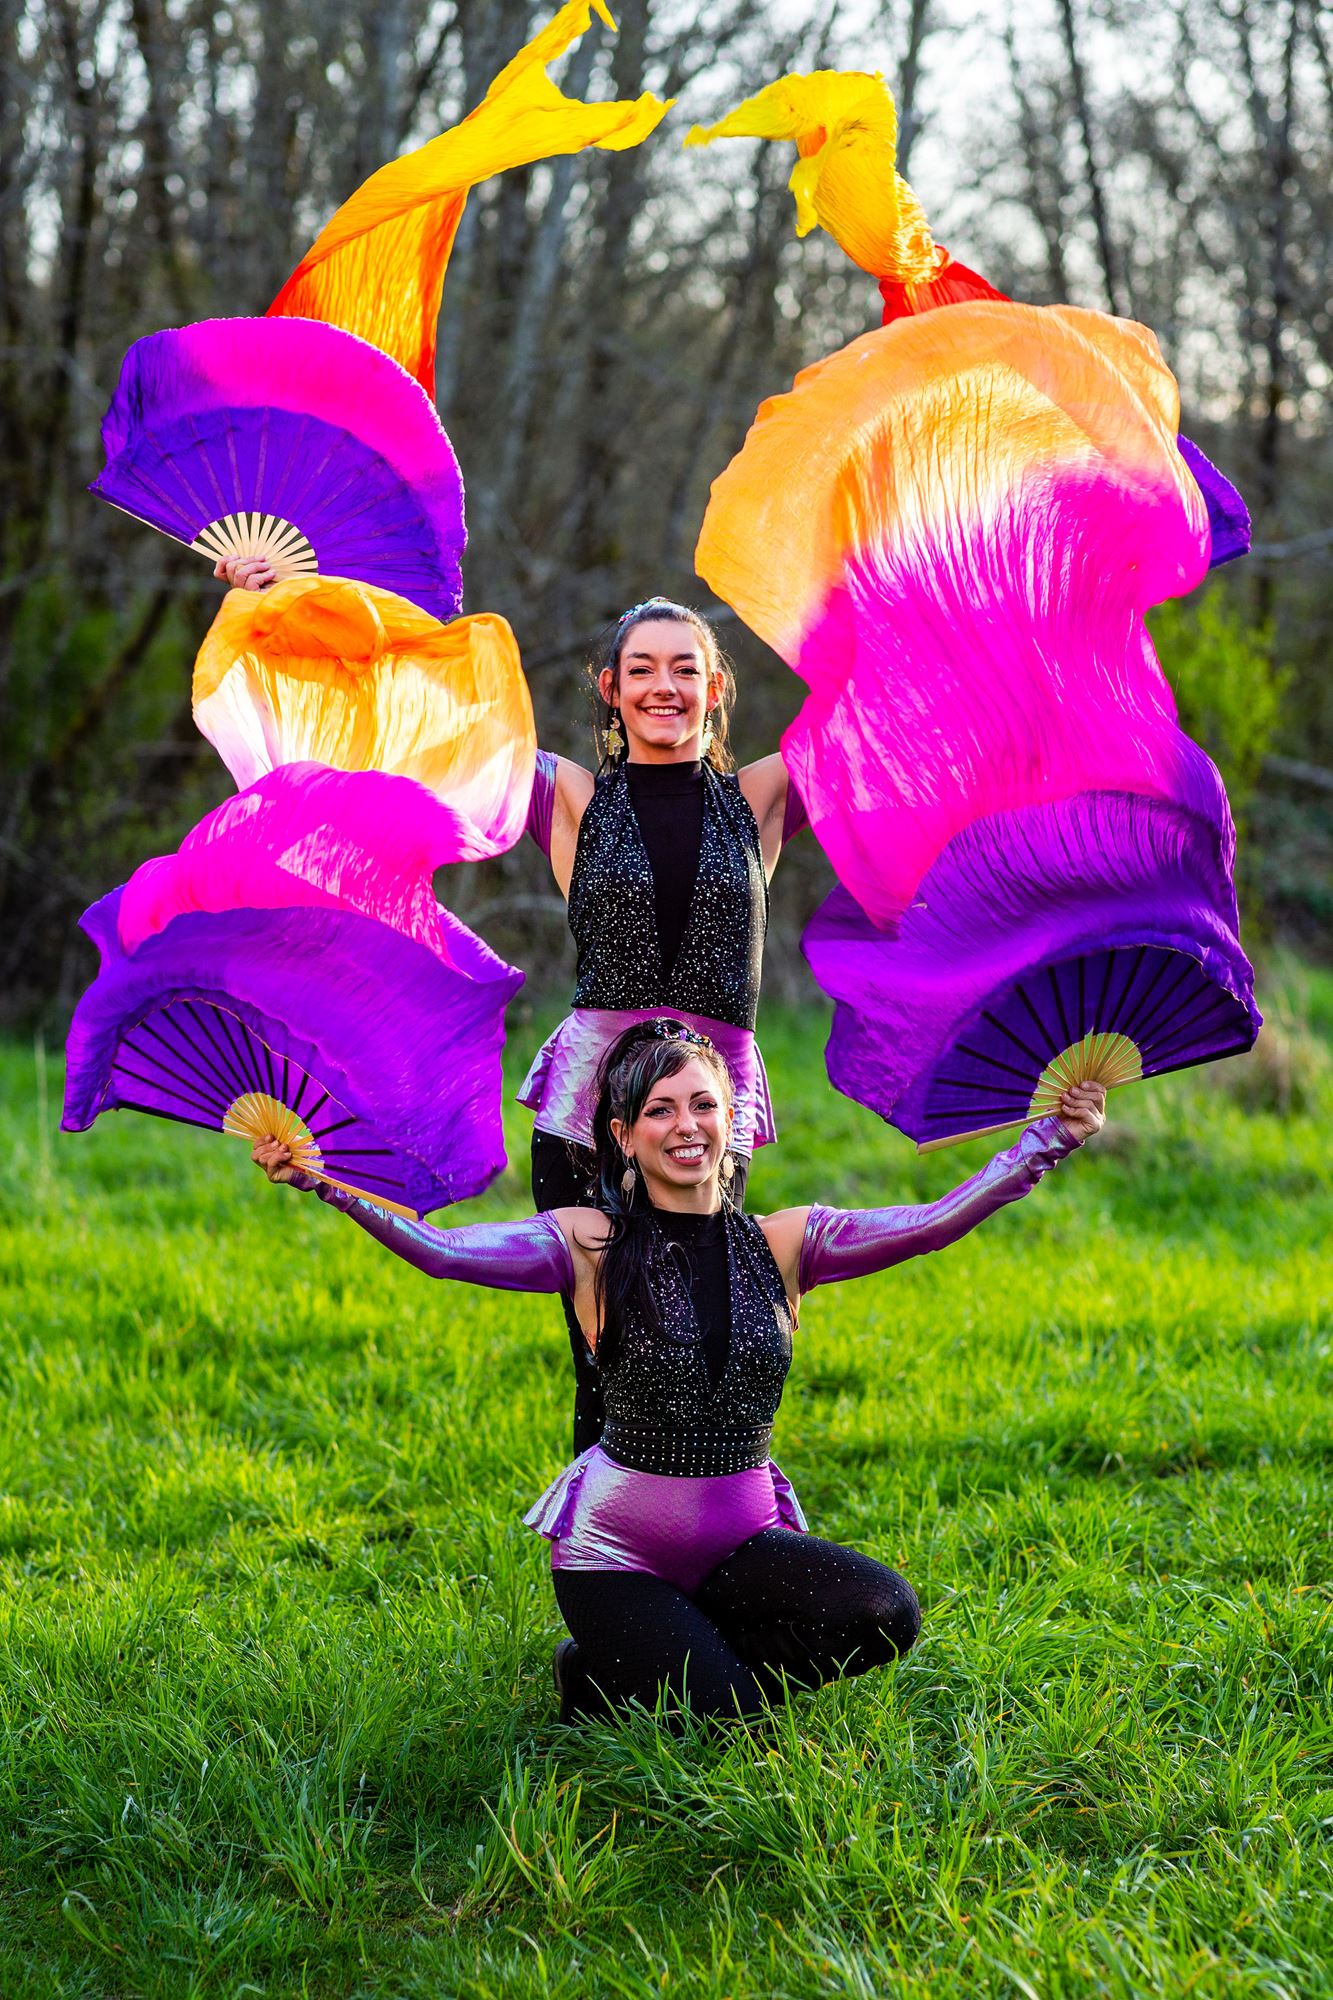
x: 1107, y: 1058
x: 279, y: 542
x: 255, y: 1116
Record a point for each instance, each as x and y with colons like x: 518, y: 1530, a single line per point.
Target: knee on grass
x: 877, y: 1623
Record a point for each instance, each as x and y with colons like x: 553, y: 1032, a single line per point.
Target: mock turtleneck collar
x: 663, y: 780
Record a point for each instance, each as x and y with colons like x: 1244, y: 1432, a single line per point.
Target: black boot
x: 580, y: 1701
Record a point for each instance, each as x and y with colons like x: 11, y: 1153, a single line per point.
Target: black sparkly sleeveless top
x: 612, y: 909
x: 667, y: 1411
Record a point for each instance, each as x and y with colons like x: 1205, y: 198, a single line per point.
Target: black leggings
x: 564, y: 1175
x: 783, y: 1609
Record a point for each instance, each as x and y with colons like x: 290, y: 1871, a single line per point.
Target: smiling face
x: 679, y: 1137
x: 663, y: 689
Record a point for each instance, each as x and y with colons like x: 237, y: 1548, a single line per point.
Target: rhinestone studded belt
x: 699, y: 1452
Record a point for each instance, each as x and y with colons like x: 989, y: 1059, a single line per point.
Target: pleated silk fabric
x: 329, y: 670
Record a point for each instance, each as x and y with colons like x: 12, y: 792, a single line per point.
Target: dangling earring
x: 615, y: 742
x: 728, y: 1169
x: 629, y: 1180
x: 706, y: 740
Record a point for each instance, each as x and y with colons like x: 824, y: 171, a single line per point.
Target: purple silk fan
x: 1093, y: 936
x: 377, y: 1060
x: 294, y: 440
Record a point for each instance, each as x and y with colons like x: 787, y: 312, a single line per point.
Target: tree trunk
x: 1110, y: 262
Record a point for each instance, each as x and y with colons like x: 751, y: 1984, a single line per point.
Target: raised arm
x: 775, y: 804
x: 561, y: 790
x: 851, y: 1243
x: 541, y: 808
x: 822, y: 1246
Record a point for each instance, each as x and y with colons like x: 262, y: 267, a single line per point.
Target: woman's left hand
x: 1083, y: 1110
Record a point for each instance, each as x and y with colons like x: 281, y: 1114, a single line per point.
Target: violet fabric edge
x: 251, y: 961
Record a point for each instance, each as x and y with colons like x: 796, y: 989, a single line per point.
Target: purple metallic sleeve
x: 527, y: 1256
x: 851, y: 1243
x: 541, y: 810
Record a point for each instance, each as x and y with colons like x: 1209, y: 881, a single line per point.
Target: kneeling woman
x: 681, y: 1562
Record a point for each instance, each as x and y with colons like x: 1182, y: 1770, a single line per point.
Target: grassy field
x: 274, y: 1647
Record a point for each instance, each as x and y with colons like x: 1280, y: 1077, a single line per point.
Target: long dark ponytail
x: 628, y: 1274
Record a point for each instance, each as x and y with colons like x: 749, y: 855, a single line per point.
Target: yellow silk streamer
x: 845, y: 129
x: 341, y: 673
x: 377, y: 268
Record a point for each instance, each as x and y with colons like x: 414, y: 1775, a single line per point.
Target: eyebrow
x: 640, y: 654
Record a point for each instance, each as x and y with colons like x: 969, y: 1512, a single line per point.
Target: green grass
x: 274, y: 1646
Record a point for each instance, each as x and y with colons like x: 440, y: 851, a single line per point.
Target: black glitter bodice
x: 666, y: 1411
x: 612, y: 910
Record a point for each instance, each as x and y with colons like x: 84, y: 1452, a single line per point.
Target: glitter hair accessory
x: 660, y: 1031
x: 676, y: 1031
x: 667, y: 604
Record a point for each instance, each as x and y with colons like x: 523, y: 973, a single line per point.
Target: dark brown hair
x: 612, y: 644
x: 634, y: 1064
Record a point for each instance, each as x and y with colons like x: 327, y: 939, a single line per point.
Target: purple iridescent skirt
x: 600, y: 1515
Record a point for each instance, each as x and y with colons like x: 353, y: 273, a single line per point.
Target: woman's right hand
x: 275, y: 1157
x: 245, y: 572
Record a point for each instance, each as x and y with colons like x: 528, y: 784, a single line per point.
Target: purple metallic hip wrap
x: 600, y: 1515
x: 561, y: 1086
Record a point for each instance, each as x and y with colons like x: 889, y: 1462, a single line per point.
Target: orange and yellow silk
x: 326, y: 670
x: 377, y: 268
x: 845, y: 129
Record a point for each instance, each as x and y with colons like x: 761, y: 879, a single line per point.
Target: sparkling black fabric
x: 699, y: 1247
x: 613, y: 914
x: 784, y: 1610
x: 564, y: 1176
x: 663, y: 1412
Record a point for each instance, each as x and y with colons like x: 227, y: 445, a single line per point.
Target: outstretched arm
x: 532, y: 1255
x: 824, y: 1246
x: 851, y: 1243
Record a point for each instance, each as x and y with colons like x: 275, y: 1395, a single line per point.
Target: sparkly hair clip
x: 650, y: 604
x: 676, y: 1031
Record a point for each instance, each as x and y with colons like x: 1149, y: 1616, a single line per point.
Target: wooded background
x: 610, y: 324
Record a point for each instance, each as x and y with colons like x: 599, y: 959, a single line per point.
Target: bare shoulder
x: 784, y: 1232
x: 584, y: 1229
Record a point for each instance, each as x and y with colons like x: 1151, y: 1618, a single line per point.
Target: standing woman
x: 664, y: 858
x: 679, y: 1554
